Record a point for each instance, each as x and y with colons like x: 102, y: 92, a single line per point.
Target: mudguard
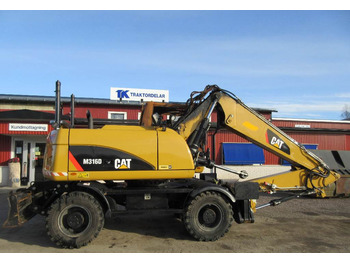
x: 205, y: 186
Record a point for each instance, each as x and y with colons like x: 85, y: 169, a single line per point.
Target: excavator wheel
x: 208, y: 216
x: 74, y: 220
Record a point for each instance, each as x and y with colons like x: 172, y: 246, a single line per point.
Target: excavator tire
x: 74, y: 220
x: 208, y: 216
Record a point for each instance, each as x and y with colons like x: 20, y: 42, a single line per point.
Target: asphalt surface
x: 305, y: 225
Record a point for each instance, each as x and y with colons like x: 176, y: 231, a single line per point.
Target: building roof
x: 51, y: 99
x: 311, y: 120
x: 85, y: 100
x: 26, y: 114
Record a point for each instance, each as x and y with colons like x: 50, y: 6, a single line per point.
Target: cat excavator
x: 92, y: 173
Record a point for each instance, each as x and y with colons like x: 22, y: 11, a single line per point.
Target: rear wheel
x: 208, y: 216
x: 74, y: 220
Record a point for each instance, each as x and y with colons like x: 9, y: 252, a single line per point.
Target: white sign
x: 28, y: 127
x: 302, y: 126
x: 131, y: 94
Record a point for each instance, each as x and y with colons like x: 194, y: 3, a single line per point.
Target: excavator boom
x: 308, y: 172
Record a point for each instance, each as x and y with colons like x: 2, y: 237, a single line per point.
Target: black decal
x: 94, y: 158
x: 276, y: 141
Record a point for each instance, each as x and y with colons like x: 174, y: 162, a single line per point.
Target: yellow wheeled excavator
x: 95, y: 173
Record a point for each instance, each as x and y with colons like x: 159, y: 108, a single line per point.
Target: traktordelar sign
x: 132, y: 94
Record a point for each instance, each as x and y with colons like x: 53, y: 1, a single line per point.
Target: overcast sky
x: 297, y: 62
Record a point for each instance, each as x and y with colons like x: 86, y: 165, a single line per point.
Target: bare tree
x: 346, y: 112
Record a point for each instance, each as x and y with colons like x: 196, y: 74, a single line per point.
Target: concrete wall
x: 4, y: 175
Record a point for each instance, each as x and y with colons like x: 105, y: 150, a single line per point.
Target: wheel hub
x: 209, y: 216
x: 75, y: 220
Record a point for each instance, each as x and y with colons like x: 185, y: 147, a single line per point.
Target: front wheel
x: 208, y: 216
x: 74, y: 220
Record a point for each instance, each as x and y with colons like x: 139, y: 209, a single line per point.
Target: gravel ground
x: 298, y: 226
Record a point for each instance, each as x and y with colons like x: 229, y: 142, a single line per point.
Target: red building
x: 24, y: 125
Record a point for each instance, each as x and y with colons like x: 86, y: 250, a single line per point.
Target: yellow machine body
x: 116, y: 152
x: 176, y: 150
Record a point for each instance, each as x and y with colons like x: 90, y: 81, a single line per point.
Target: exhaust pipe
x: 72, y: 110
x: 57, y: 123
x: 90, y: 119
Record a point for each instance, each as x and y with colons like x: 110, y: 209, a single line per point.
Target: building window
x: 242, y: 154
x: 117, y: 115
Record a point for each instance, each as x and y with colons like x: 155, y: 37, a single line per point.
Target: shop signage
x: 132, y: 94
x: 28, y: 127
x: 302, y: 126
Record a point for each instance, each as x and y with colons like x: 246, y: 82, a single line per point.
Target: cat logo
x: 122, y: 163
x: 276, y: 141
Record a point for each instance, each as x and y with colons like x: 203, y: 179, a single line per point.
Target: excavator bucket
x: 19, y: 209
x: 339, y: 162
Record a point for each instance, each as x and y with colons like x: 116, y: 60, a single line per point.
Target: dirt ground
x: 298, y: 226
